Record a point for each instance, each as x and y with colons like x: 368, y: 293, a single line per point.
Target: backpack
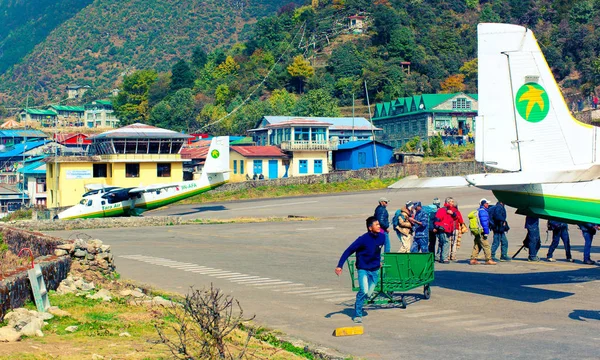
x: 474, y: 223
x: 492, y: 212
x: 430, y: 210
x: 396, y: 218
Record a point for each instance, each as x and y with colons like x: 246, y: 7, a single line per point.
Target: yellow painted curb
x: 349, y: 331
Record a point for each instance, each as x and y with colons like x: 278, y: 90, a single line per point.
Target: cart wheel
x: 427, y: 292
x: 403, y: 301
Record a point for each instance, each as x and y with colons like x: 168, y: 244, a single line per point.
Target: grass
x: 263, y: 192
x: 18, y: 215
x: 100, y: 324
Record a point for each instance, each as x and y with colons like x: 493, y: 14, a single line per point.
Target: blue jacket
x: 498, y: 218
x: 383, y: 216
x: 484, y: 220
x: 368, y: 251
x: 422, y: 231
x: 532, y: 223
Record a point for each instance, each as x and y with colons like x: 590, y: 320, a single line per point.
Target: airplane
x: 524, y: 127
x: 102, y: 201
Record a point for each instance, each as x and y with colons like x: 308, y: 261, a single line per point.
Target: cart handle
x: 30, y: 255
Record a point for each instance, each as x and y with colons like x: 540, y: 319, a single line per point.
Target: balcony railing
x: 308, y: 145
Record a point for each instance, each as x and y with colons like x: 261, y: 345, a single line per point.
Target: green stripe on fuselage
x: 166, y: 201
x: 547, y: 206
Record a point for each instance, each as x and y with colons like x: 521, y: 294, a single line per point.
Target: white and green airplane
x: 117, y: 201
x: 525, y: 128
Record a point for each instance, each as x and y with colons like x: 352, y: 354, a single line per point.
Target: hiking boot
x: 495, y: 259
x: 551, y: 259
x: 533, y: 259
x: 570, y: 260
x: 505, y: 259
x: 490, y: 262
x: 357, y: 320
x: 589, y: 262
x: 474, y: 262
x: 444, y: 262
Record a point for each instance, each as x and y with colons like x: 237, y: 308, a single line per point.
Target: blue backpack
x: 430, y: 210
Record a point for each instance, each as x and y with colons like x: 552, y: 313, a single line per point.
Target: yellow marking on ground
x: 349, y: 331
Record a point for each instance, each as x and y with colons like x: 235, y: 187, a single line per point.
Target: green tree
x: 346, y: 61
x: 403, y: 44
x: 282, y: 103
x: 436, y: 146
x: 317, y: 102
x: 228, y: 67
x: 131, y: 105
x: 412, y: 145
x: 182, y: 106
x: 301, y: 70
x: 159, y: 89
x: 181, y: 76
x: 386, y: 20
x: 222, y: 94
x: 199, y: 57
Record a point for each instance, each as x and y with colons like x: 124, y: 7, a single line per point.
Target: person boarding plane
x: 134, y: 201
x: 525, y: 128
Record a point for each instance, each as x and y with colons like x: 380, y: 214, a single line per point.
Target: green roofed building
x: 100, y: 113
x: 71, y: 115
x: 450, y: 115
x: 44, y: 117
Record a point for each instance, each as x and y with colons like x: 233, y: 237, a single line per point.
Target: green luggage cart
x: 399, y: 273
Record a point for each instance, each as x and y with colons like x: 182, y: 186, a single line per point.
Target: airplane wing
x: 151, y: 188
x: 492, y: 181
x: 414, y: 182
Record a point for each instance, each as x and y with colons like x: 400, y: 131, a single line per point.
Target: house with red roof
x: 258, y: 162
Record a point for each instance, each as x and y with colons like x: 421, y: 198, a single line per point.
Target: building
x: 248, y: 161
x: 100, y: 113
x: 450, y: 115
x: 11, y: 199
x: 73, y: 140
x: 68, y: 115
x: 131, y: 156
x: 275, y: 130
x: 195, y: 158
x: 12, y: 137
x: 46, y: 118
x: 356, y: 155
x: 76, y: 91
x: 356, y: 24
x: 33, y: 175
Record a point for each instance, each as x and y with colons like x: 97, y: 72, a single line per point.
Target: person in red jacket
x: 445, y: 218
x: 456, y: 231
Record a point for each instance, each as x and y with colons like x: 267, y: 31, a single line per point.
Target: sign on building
x: 79, y: 174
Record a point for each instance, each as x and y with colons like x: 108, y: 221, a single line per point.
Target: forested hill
x: 45, y: 45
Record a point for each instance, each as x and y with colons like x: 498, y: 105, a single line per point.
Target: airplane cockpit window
x: 82, y: 202
x: 103, y: 202
x: 89, y: 203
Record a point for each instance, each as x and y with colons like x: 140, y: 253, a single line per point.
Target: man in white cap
x: 382, y: 215
x: 403, y: 223
x: 480, y: 238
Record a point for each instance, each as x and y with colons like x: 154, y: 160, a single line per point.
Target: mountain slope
x: 111, y: 37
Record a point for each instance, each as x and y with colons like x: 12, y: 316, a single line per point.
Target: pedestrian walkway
x: 416, y: 311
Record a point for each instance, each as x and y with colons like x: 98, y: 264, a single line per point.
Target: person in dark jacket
x: 382, y: 215
x: 532, y: 224
x: 588, y: 230
x: 499, y: 226
x: 368, y: 262
x: 431, y: 210
x: 480, y: 241
x: 560, y: 230
x: 421, y: 230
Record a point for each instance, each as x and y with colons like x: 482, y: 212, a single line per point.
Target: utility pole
x: 372, y: 127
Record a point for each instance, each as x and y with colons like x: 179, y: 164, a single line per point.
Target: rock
x: 59, y: 252
x: 45, y: 316
x: 32, y: 327
x: 87, y: 286
x: 63, y: 288
x: 103, y: 295
x: 125, y: 334
x: 54, y: 310
x: 80, y: 254
x: 71, y: 328
x: 67, y: 247
x: 125, y: 293
x: 137, y: 293
x: 8, y: 334
x: 97, y: 357
x: 97, y: 243
x: 90, y: 256
x: 105, y: 248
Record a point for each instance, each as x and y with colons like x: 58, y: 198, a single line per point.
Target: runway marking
x: 475, y: 322
x: 522, y: 331
x: 321, y: 292
x: 496, y: 327
x: 266, y: 286
x: 249, y: 280
x: 430, y: 313
x: 275, y: 205
x: 303, y: 291
x: 221, y: 276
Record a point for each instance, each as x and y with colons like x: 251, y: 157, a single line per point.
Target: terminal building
x: 131, y: 156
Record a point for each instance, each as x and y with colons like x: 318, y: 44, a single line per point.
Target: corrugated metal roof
x: 337, y: 123
x: 40, y: 112
x: 412, y: 104
x: 23, y: 133
x: 355, y: 144
x: 38, y: 167
x: 194, y: 153
x: 19, y: 149
x: 138, y: 130
x: 67, y: 108
x: 64, y: 137
x: 258, y: 151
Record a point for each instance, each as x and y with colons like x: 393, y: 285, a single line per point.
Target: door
x: 257, y: 167
x: 273, y: 169
x: 318, y: 166
x: 303, y: 166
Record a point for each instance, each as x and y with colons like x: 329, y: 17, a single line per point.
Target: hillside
x: 96, y: 44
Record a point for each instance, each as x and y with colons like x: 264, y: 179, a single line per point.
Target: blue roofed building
x: 33, y: 176
x: 11, y: 137
x: 356, y: 155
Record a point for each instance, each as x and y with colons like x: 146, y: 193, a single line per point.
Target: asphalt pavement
x: 283, y: 273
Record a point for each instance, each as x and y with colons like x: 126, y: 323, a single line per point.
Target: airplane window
x: 89, y: 203
x: 103, y: 202
x: 82, y: 202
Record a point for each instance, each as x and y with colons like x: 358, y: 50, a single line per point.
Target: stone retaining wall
x: 15, y: 290
x: 99, y: 223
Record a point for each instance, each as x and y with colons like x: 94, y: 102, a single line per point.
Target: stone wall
x: 114, y: 222
x: 15, y: 290
x: 385, y: 172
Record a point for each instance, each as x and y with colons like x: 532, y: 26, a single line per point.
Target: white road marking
x: 303, y: 291
x: 429, y: 313
x: 279, y: 287
x: 236, y: 277
x: 266, y: 286
x: 451, y: 318
x: 207, y: 271
x: 258, y: 281
x: 229, y: 275
x: 246, y: 280
x: 496, y: 327
x: 217, y: 273
x: 197, y: 268
x: 320, y: 292
x: 275, y: 205
x: 522, y: 331
x: 475, y: 322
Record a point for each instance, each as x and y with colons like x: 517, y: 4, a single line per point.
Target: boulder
x: 103, y: 295
x: 71, y: 328
x: 125, y: 334
x: 59, y: 252
x: 8, y: 334
x: 54, y: 310
x: 67, y: 247
x: 105, y: 248
x: 80, y: 253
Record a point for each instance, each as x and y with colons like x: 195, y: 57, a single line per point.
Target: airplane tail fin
x: 216, y: 167
x: 524, y: 123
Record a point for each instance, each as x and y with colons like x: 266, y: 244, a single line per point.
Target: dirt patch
x: 11, y: 264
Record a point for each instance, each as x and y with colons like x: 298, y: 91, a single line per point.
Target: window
x: 461, y: 103
x: 441, y: 123
x: 303, y: 166
x: 99, y: 170
x: 301, y: 134
x: 318, y: 134
x: 318, y: 166
x: 132, y: 170
x: 362, y: 157
x: 163, y: 170
x: 242, y: 167
x: 235, y: 166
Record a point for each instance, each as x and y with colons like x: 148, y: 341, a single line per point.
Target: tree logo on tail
x: 532, y: 102
x: 215, y: 154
